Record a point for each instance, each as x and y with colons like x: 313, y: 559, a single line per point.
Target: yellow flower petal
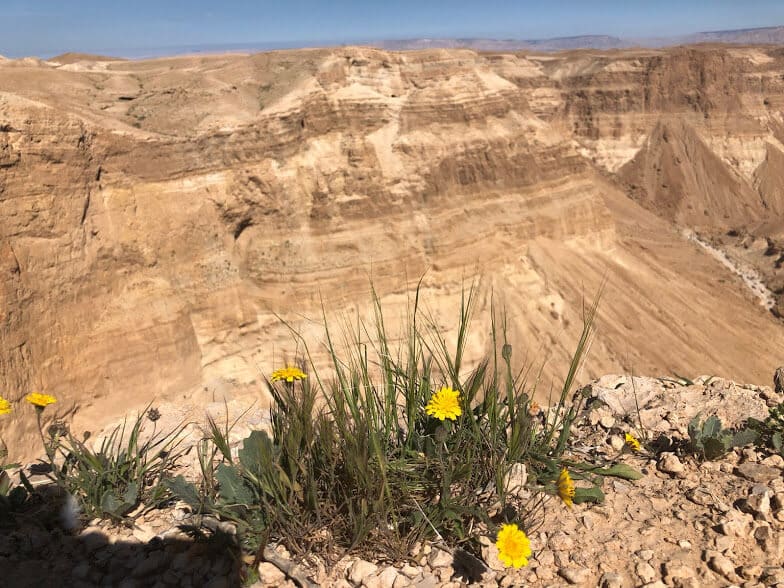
x: 288, y: 374
x: 514, y: 547
x: 566, y: 487
x: 40, y: 400
x: 632, y: 442
x: 445, y: 404
x: 5, y: 406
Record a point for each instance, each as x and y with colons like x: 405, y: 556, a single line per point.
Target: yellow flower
x: 5, y: 406
x: 445, y: 404
x: 566, y: 487
x: 632, y: 442
x: 40, y: 400
x: 289, y: 374
x: 514, y: 547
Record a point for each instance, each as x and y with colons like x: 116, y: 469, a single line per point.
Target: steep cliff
x: 161, y: 217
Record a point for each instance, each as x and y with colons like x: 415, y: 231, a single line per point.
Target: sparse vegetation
x: 387, y: 449
x: 396, y: 446
x: 770, y: 432
x: 121, y: 473
x: 709, y: 440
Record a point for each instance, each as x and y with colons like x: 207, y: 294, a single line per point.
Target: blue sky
x: 47, y: 27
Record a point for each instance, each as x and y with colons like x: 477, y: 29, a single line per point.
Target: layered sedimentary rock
x: 160, y: 218
x: 694, y: 134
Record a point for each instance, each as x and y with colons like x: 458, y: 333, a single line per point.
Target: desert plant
x: 122, y: 472
x: 397, y: 445
x: 12, y: 496
x: 709, y: 440
x: 770, y: 432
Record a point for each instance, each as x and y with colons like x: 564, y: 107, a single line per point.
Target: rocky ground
x: 684, y: 523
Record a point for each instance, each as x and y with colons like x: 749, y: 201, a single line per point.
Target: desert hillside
x: 160, y: 218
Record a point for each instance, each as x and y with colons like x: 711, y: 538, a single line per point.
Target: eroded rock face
x: 160, y: 217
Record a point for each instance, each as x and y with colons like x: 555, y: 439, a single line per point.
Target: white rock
x: 361, y: 569
x: 645, y: 572
x: 722, y: 565
x: 736, y: 524
x: 371, y: 581
x: 611, y: 580
x: 144, y: 533
x: 440, y: 558
x: 645, y: 554
x: 608, y: 421
x: 427, y: 582
x: 575, y: 575
x: 774, y: 461
x: 388, y: 577
x: 270, y: 574
x: 758, y: 501
x: 670, y: 464
x: 676, y: 569
x: 490, y: 555
x: 410, y: 571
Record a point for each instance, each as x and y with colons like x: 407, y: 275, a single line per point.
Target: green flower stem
x: 47, y: 447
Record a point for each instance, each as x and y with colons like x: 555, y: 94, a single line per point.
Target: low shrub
x: 396, y: 445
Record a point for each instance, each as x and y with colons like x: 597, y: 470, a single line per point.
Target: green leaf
x: 694, y: 428
x: 184, y: 490
x: 744, y: 437
x: 26, y: 483
x: 620, y: 470
x: 713, y: 448
x: 257, y: 452
x: 593, y: 494
x: 131, y: 494
x: 232, y: 486
x: 778, y: 441
x: 5, y: 483
x: 109, y: 503
x: 711, y: 427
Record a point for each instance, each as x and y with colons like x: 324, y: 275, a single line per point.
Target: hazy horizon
x: 148, y: 28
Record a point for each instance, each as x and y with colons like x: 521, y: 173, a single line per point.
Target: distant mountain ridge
x: 765, y: 35
x: 755, y: 36
x: 554, y: 44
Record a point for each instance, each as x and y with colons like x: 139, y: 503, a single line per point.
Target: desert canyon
x: 161, y: 219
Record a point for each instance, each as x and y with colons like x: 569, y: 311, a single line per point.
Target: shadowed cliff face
x: 159, y: 218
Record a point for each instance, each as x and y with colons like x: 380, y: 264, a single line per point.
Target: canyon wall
x: 165, y: 223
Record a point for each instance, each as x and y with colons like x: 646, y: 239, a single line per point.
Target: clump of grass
x: 395, y: 445
x: 121, y: 473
